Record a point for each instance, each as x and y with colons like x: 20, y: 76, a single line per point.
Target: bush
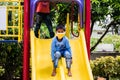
x: 117, y: 65
x: 106, y: 67
x: 10, y: 60
x: 2, y: 71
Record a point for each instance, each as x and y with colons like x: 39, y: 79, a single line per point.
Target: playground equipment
x: 80, y: 67
x: 40, y: 52
x: 11, y: 21
x: 42, y: 64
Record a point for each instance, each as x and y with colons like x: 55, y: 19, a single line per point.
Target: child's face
x: 60, y: 33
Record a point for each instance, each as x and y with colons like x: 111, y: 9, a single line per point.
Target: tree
x: 97, y: 12
x: 102, y: 8
x: 60, y: 10
x: 63, y: 9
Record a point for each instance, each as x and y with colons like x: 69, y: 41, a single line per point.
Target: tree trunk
x: 108, y: 26
x: 92, y: 25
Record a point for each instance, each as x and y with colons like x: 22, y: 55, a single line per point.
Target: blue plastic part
x: 8, y: 41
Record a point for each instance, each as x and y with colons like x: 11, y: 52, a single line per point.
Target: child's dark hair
x: 60, y: 26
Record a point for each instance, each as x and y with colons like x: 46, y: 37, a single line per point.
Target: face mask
x: 60, y: 35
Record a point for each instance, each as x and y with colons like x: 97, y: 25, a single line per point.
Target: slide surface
x: 42, y: 64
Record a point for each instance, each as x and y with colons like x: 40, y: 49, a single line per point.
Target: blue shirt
x: 60, y: 46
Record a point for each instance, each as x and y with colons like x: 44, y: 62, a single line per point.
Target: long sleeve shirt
x: 60, y: 46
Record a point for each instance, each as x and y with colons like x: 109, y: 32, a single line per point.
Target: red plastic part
x: 26, y: 40
x: 87, y: 25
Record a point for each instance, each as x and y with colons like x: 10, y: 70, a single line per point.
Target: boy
x: 60, y: 48
x: 42, y: 14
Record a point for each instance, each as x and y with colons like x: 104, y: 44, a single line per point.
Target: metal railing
x: 14, y: 21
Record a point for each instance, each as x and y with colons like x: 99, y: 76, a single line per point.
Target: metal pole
x: 26, y: 40
x: 87, y: 25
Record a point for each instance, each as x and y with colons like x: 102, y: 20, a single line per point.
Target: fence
x: 11, y: 20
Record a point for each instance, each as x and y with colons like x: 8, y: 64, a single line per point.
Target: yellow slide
x: 42, y: 64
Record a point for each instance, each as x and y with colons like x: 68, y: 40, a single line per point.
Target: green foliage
x: 44, y: 33
x: 114, y: 39
x: 117, y: 65
x: 101, y: 8
x: 10, y: 60
x: 2, y: 71
x: 93, y: 41
x: 59, y: 15
x: 98, y: 6
x: 109, y: 39
x: 106, y: 66
x: 63, y: 9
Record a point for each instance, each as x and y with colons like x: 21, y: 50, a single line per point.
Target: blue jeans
x: 64, y: 54
x: 43, y: 17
